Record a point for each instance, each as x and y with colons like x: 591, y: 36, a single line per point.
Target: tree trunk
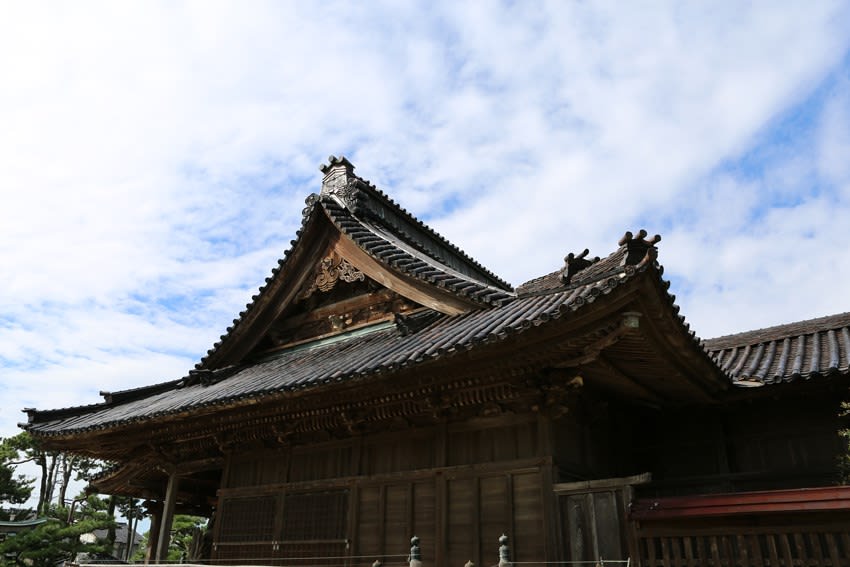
x: 41, y: 509
x: 67, y: 469
x: 131, y: 533
x: 50, y: 481
x: 110, y: 531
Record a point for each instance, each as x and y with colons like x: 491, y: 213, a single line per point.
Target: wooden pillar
x: 167, y: 518
x: 154, y: 509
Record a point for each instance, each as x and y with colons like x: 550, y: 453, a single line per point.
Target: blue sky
x: 154, y: 158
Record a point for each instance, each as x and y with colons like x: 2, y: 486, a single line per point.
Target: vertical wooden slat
x: 715, y: 551
x: 743, y: 550
x: 382, y: 519
x: 476, y: 519
x: 832, y: 548
x: 728, y: 551
x: 353, y: 518
x: 677, y: 554
x: 689, y: 552
x: 757, y: 556
x: 551, y: 550
x: 441, y: 511
x: 771, y: 549
x: 649, y: 542
x: 702, y: 556
x: 800, y: 547
x: 590, y: 507
x: 665, y: 552
x: 814, y: 542
x: 785, y: 546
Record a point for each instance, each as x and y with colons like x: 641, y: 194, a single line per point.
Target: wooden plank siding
x: 372, y: 493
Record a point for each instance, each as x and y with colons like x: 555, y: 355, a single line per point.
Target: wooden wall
x: 458, y: 487
x: 758, y: 445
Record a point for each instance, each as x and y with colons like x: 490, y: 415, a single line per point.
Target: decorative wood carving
x: 328, y: 272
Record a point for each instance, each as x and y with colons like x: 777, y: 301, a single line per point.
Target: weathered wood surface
x: 793, y: 546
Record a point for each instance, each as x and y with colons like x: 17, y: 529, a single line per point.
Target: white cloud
x: 154, y: 158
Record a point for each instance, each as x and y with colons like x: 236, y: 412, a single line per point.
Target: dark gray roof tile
x: 804, y: 349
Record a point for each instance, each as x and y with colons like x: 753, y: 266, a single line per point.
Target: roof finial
x: 574, y: 264
x: 338, y: 172
x: 639, y: 249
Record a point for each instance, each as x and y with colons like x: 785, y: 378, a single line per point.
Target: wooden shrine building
x: 383, y: 384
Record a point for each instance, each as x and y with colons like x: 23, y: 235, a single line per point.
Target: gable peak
x: 338, y: 173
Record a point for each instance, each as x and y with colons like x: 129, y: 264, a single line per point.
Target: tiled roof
x: 386, y: 246
x: 391, y: 235
x: 381, y: 349
x: 805, y: 349
x: 578, y: 270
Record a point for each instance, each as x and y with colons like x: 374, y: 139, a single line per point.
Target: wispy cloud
x: 154, y: 158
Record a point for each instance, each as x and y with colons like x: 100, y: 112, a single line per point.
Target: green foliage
x: 57, y: 540
x: 187, y: 533
x: 14, y: 488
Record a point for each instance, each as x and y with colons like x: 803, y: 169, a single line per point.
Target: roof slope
x: 804, y: 349
x: 369, y: 352
x: 381, y: 231
x: 376, y: 226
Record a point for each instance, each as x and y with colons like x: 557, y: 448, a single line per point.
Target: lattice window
x: 315, y: 516
x: 248, y: 519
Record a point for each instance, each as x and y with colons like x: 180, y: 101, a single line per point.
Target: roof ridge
x: 371, y: 189
x: 775, y: 332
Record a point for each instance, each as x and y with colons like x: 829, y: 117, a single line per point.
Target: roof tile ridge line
x: 449, y: 270
x: 791, y: 329
x: 577, y: 281
x: 506, y: 287
x: 616, y: 271
x: 34, y: 414
x: 372, y: 188
x: 506, y: 294
x: 132, y: 394
x: 306, y: 214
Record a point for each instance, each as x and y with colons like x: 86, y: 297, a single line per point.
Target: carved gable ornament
x: 328, y: 272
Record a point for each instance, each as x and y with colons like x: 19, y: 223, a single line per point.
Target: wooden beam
x: 423, y: 293
x: 645, y: 391
x: 592, y: 351
x: 795, y: 500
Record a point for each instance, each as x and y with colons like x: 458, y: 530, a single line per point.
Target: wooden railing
x: 748, y: 547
